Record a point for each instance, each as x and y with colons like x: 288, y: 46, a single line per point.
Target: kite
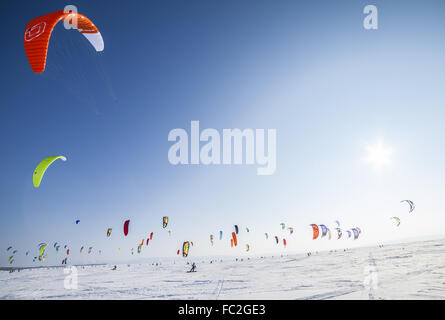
x: 349, y: 233
x: 247, y: 247
x: 220, y: 235
x: 109, y: 232
x: 77, y: 221
x: 81, y: 249
x: 164, y: 221
x: 397, y: 220
x: 412, y: 206
x: 211, y: 239
x: 247, y: 229
x: 185, y: 249
x: 235, y: 241
x: 178, y: 252
x: 41, y: 168
x: 231, y: 243
x: 329, y: 232
x: 338, y: 233
x: 42, y: 247
x: 284, y: 242
x: 282, y: 225
x: 356, y: 233
x: 324, y: 230
x: 151, y: 236
x: 147, y: 242
x: 38, y: 32
x: 236, y: 229
x: 276, y: 238
x: 338, y: 223
x: 291, y: 230
x: 126, y: 224
x: 267, y: 236
x: 9, y: 248
x: 315, y: 230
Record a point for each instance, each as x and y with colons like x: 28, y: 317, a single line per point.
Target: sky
x: 331, y: 89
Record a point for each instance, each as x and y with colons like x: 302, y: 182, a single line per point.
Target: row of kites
x: 325, y: 231
x: 42, y: 255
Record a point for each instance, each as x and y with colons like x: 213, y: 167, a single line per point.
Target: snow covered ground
x: 402, y: 271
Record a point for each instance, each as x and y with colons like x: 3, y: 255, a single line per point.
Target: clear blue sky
x: 305, y: 68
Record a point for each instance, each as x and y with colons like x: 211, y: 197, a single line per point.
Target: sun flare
x: 378, y: 155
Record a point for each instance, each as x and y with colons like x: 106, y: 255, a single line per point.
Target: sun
x: 378, y: 155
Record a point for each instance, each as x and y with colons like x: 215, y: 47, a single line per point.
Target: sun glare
x: 378, y: 155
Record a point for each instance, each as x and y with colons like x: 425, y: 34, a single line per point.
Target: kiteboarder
x: 193, y: 267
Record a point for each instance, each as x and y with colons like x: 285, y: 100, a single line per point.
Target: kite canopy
x: 356, y: 233
x: 126, y: 225
x: 397, y: 219
x: 324, y: 230
x: 185, y: 249
x: 412, y: 206
x: 236, y: 229
x: 41, y: 168
x: 164, y: 222
x: 77, y: 221
x: 38, y: 32
x: 109, y: 232
x: 235, y: 240
x: 315, y: 230
x: 339, y: 233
